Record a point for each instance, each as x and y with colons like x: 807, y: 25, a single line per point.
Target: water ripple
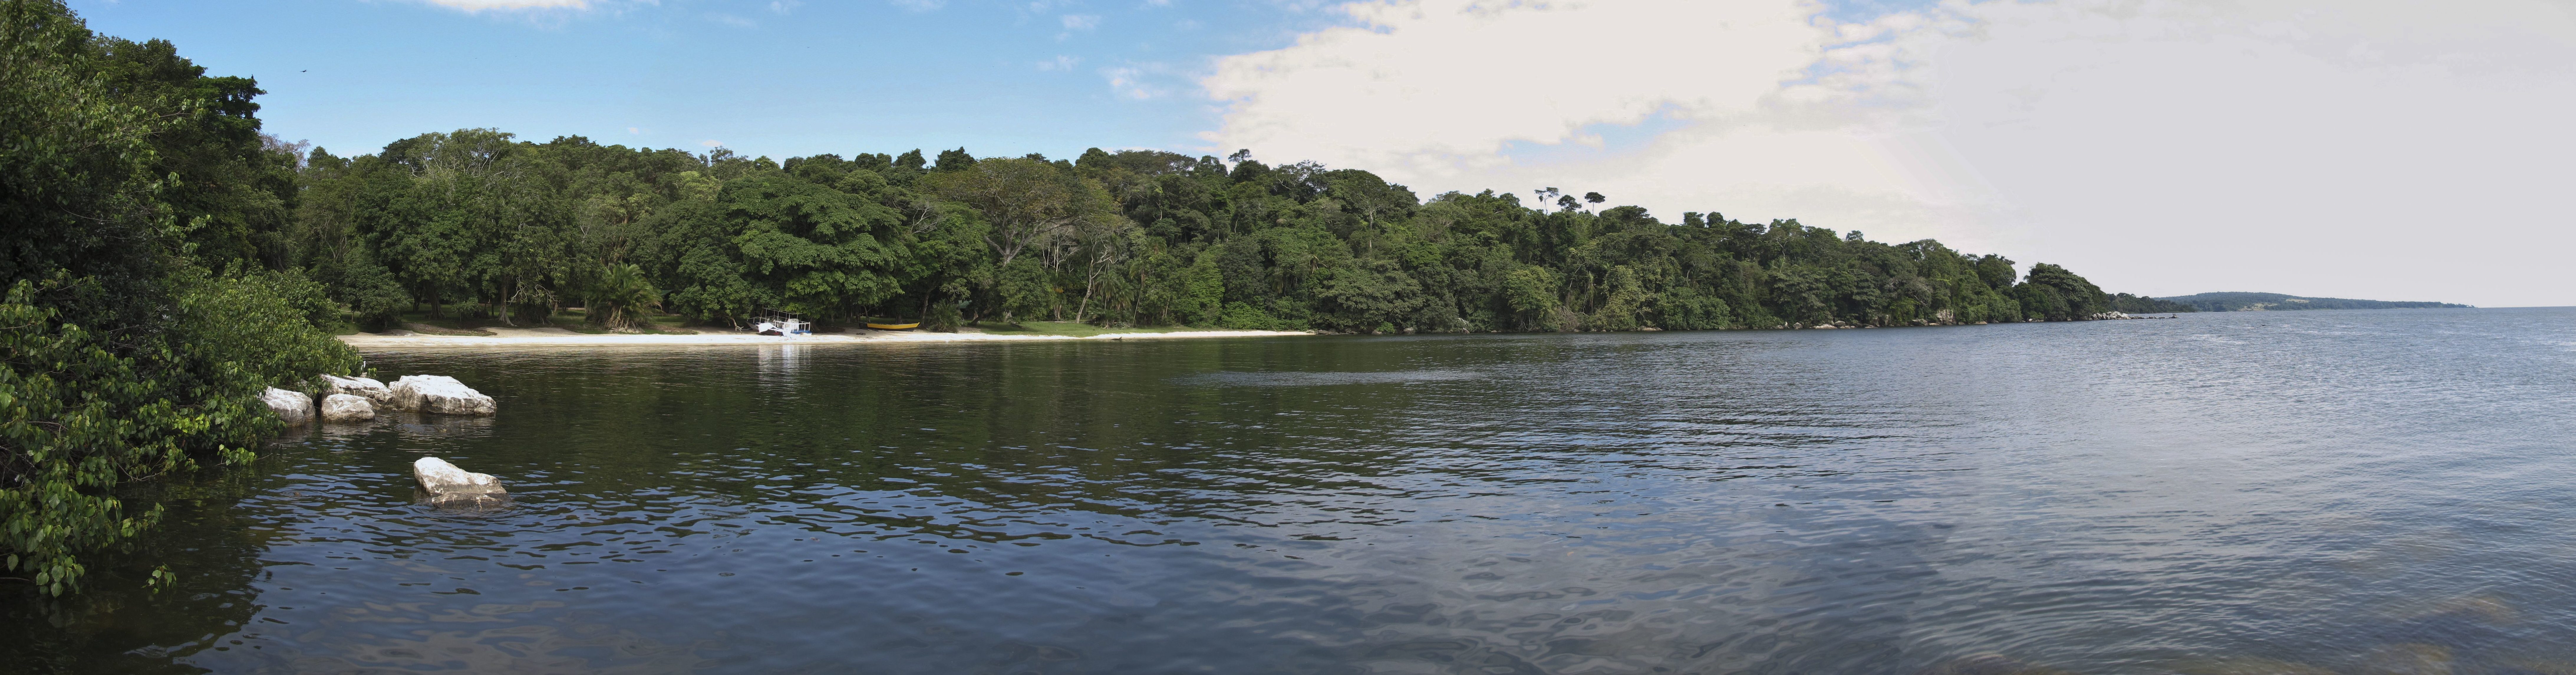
x: 2334, y: 491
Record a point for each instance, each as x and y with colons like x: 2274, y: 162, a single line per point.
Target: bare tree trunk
x: 509, y: 291
x: 1090, y: 281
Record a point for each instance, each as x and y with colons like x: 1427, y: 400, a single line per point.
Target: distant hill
x: 2131, y: 304
x: 2259, y: 302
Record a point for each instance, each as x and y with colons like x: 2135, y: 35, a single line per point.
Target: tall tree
x: 1026, y: 202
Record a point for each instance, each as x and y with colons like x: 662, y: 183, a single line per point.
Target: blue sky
x: 2161, y: 147
x: 761, y: 77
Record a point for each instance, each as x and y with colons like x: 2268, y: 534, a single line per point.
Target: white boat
x: 782, y: 323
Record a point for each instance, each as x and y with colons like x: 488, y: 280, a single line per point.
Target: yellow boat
x: 894, y: 326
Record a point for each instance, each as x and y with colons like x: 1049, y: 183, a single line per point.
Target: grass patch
x: 654, y: 324
x: 1072, y: 329
x: 578, y: 321
x: 434, y: 329
x: 454, y: 321
x: 575, y: 319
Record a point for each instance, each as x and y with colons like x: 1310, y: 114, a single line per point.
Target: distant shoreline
x: 556, y: 337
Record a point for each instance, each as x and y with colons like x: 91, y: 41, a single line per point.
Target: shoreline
x: 557, y: 337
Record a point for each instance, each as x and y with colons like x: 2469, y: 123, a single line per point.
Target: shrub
x: 371, y: 293
x: 943, y: 317
x: 82, y: 412
x: 1240, y: 316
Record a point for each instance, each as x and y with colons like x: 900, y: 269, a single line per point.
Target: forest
x: 477, y: 221
x: 165, y: 259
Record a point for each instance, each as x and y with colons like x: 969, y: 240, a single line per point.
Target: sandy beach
x: 557, y: 337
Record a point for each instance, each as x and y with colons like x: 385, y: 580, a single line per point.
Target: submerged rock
x: 455, y: 504
x: 2408, y: 659
x: 1989, y: 664
x: 2537, y: 668
x: 440, y: 478
x: 439, y: 394
x: 2248, y: 665
x: 2485, y: 608
x: 346, y: 408
x: 417, y: 424
x: 375, y: 392
x: 292, y: 406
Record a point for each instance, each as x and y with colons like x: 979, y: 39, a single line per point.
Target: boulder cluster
x: 351, y: 399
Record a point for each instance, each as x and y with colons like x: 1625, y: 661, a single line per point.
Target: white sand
x: 557, y: 337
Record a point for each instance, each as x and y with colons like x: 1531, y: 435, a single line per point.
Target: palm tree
x: 622, y: 296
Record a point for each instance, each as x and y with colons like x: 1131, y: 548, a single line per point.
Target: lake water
x: 2380, y: 491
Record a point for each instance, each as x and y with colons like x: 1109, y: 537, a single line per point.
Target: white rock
x: 441, y: 478
x: 439, y: 394
x: 374, y: 391
x: 346, y: 408
x: 292, y: 406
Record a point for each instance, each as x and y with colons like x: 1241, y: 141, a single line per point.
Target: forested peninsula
x: 2267, y: 302
x: 165, y: 260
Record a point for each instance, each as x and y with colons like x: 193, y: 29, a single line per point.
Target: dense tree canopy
x: 1133, y: 237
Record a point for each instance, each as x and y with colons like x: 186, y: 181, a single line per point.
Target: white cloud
x: 1060, y: 62
x: 481, y: 5
x: 1081, y: 21
x: 1129, y: 82
x: 1438, y: 87
x: 712, y: 143
x: 2168, y: 146
x: 919, y: 5
x: 634, y: 130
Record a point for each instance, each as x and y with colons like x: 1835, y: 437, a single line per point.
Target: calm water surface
x: 2221, y: 493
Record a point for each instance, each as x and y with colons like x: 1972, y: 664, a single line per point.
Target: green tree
x: 1205, y: 295
x: 1025, y: 202
x: 1371, y: 296
x: 234, y: 189
x: 1626, y: 303
x: 814, y: 249
x: 777, y: 241
x: 1532, y: 294
x: 2055, y: 294
x: 119, y: 359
